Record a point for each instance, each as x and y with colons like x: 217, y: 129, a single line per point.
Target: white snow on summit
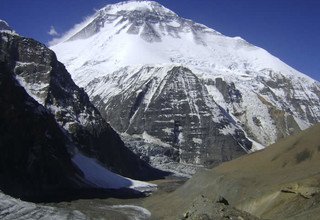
x: 116, y: 40
x: 136, y: 5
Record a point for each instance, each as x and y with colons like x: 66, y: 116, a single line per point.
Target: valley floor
x: 127, y: 209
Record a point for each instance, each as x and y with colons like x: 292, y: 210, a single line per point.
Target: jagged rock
x: 228, y: 91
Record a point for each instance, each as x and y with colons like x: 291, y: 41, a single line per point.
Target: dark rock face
x: 45, y: 79
x: 34, y: 157
x: 180, y: 116
x: 228, y: 91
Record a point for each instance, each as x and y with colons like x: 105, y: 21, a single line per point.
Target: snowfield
x: 100, y: 177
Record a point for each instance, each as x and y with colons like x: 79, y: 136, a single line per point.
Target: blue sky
x: 289, y: 29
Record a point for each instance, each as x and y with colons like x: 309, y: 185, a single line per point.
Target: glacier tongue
x: 123, y: 55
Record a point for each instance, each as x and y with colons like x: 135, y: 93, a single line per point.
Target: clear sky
x: 289, y: 29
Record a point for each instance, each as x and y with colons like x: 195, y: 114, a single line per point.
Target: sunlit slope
x: 280, y: 182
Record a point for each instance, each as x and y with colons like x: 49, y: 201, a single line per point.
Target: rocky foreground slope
x: 181, y: 92
x: 279, y: 182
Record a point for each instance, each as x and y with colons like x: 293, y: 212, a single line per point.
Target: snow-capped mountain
x: 191, y: 94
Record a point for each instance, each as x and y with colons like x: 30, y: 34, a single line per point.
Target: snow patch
x: 133, y: 212
x: 197, y: 140
x: 174, y: 24
x: 255, y: 145
x: 5, y: 38
x: 100, y: 177
x: 227, y: 130
x: 167, y: 130
x: 153, y: 140
x: 33, y: 89
x: 180, y: 137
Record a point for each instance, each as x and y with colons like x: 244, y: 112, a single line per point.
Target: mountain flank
x: 279, y: 182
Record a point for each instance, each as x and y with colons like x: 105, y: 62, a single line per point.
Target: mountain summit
x: 139, y: 16
x: 4, y: 27
x: 181, y: 92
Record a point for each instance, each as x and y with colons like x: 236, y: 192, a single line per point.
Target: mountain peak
x: 4, y: 27
x: 147, y: 19
x: 136, y: 5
